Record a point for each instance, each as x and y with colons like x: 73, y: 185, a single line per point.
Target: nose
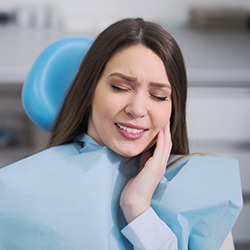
x: 136, y: 107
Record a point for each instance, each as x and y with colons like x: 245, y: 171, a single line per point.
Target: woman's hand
x: 137, y: 194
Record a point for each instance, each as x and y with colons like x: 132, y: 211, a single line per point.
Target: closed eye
x: 159, y: 98
x: 118, y: 89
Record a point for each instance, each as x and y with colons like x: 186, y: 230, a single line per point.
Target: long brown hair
x: 73, y: 117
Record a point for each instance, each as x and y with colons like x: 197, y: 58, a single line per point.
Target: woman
x: 125, y: 84
x: 122, y: 118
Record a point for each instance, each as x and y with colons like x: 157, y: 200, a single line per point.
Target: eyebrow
x: 160, y: 85
x: 124, y: 77
x: 134, y: 79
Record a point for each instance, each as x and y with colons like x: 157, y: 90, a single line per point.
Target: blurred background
x: 215, y: 39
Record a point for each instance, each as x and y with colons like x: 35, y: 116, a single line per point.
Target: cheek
x: 162, y: 117
x: 106, y: 107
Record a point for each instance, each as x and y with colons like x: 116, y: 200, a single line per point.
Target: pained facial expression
x: 132, y: 101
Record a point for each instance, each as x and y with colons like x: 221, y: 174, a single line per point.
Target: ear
x: 50, y: 78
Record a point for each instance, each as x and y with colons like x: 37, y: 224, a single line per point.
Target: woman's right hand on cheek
x: 137, y: 194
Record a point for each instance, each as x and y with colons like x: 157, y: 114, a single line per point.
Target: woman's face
x: 132, y: 102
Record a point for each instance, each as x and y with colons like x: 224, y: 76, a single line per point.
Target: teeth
x: 130, y: 130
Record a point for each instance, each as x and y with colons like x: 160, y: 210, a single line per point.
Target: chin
x: 128, y: 153
x: 129, y: 150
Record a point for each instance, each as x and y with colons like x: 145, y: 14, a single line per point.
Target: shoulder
x: 202, y: 164
x: 199, y: 191
x: 201, y: 177
x: 43, y: 160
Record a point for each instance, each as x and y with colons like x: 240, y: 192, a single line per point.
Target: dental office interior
x: 214, y: 36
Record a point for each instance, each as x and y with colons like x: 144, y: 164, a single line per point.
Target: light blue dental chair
x: 46, y: 85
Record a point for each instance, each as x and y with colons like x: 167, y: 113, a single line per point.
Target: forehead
x: 137, y: 60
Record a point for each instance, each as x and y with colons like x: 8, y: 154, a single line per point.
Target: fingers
x: 167, y: 142
x: 163, y: 146
x: 154, y: 167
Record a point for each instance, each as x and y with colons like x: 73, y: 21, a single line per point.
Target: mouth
x: 130, y: 131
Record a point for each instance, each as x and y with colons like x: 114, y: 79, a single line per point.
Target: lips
x: 130, y: 131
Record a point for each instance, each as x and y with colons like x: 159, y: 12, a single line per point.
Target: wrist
x: 132, y: 212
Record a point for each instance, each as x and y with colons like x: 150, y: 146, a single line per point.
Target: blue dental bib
x: 67, y: 197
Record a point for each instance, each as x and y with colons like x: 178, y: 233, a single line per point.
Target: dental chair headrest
x: 49, y: 79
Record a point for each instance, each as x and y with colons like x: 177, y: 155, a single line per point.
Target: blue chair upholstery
x: 49, y: 79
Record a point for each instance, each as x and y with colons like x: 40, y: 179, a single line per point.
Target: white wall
x: 99, y: 13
